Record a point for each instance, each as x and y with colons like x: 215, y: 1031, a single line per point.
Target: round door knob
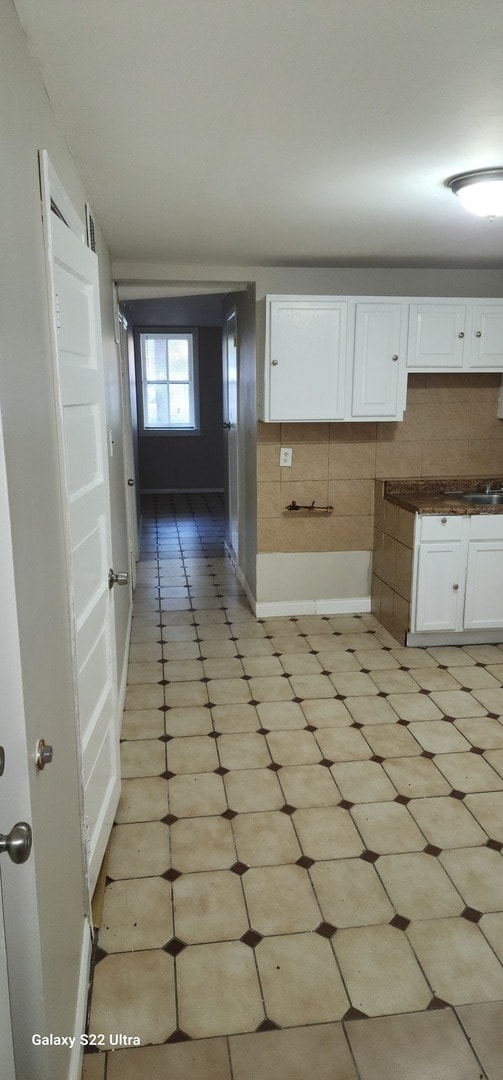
x: 227, y: 425
x: 17, y: 843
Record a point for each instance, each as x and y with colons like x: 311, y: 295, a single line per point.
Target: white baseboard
x: 349, y: 606
x: 452, y: 637
x: 75, y: 1070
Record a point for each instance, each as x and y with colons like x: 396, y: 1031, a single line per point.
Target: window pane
x: 155, y: 357
x: 179, y: 402
x: 157, y: 406
x: 178, y: 359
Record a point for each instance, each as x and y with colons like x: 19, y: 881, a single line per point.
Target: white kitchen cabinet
x: 305, y: 359
x: 379, y: 384
x: 457, y: 589
x: 455, y: 335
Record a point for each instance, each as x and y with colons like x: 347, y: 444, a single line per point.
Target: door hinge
x: 58, y: 320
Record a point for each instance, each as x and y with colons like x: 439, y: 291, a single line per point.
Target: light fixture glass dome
x: 480, y: 192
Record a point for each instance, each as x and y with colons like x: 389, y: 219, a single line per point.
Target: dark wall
x: 187, y: 462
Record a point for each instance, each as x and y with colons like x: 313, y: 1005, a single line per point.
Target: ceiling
x: 279, y: 132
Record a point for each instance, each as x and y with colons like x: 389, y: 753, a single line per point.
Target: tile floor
x: 305, y: 875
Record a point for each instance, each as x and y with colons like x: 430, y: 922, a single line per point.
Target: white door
x: 129, y: 461
x: 80, y: 390
x: 439, y: 588
x: 484, y: 585
x: 379, y: 373
x: 230, y: 383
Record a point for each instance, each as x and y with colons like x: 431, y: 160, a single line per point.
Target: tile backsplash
x: 450, y: 428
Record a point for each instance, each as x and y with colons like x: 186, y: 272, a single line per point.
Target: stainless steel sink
x: 483, y: 498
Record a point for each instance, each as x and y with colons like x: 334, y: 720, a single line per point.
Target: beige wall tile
x: 483, y: 421
x: 269, y: 499
x: 353, y: 432
x: 268, y: 433
x: 378, y: 557
x: 352, y: 459
x: 485, y: 456
x: 350, y: 497
x: 268, y: 462
x: 309, y: 462
x: 303, y: 492
x: 398, y: 459
x: 405, y: 527
x: 389, y: 551
x: 403, y: 571
x: 301, y: 433
x: 350, y: 533
x: 444, y: 458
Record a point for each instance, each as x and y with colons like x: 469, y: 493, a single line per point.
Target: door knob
x: 228, y: 425
x: 17, y: 843
x: 130, y: 482
x: 122, y: 578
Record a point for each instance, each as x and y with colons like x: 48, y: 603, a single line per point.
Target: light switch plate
x: 285, y: 456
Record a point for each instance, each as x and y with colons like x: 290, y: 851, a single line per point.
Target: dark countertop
x: 429, y: 496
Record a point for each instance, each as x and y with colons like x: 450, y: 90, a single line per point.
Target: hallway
x: 305, y: 876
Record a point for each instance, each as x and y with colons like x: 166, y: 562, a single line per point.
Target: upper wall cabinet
x: 455, y: 335
x: 379, y: 383
x: 305, y: 358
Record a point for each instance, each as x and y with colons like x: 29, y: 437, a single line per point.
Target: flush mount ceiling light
x: 480, y: 192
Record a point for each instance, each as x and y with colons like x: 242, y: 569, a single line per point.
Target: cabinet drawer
x: 440, y: 527
x: 486, y: 527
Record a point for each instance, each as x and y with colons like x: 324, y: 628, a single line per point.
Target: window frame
x: 167, y: 331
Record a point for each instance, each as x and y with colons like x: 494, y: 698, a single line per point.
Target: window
x: 169, y: 397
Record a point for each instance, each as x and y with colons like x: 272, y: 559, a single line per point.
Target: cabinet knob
x: 461, y: 333
x: 443, y: 521
x: 274, y: 363
x: 395, y: 357
x: 478, y: 333
x: 455, y: 588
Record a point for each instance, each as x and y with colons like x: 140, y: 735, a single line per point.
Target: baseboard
x: 349, y: 606
x: 452, y: 637
x: 182, y: 491
x: 75, y: 1070
x: 123, y: 679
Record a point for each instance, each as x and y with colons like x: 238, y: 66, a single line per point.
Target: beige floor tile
x: 484, y: 654
x: 450, y: 656
x: 144, y: 696
x: 459, y: 964
x: 184, y: 695
x: 142, y: 724
x: 436, y: 678
x: 438, y: 736
x: 244, y: 750
x: 484, y: 1026
x: 394, y: 682
x: 474, y: 678
x: 201, y: 1059
x: 380, y: 970
x: 212, y: 632
x: 209, y: 906
x: 370, y: 710
x: 491, y: 700
x: 235, y: 718
x: 327, y: 832
x: 301, y: 664
x: 223, y: 668
x: 202, y: 843
x: 289, y: 643
x: 308, y: 785
x: 414, y: 707
x: 353, y: 684
x: 483, y: 731
x: 136, y: 915
x: 391, y: 740
x: 253, y: 645
x: 446, y: 822
x: 495, y: 759
x: 265, y: 839
x: 281, y: 715
x: 337, y: 660
x: 350, y: 893
x: 326, y: 713
x: 362, y: 781
x: 218, y: 649
x: 271, y: 688
x: 343, y: 744
x: 144, y: 673
x: 283, y: 626
x: 413, y: 658
x: 134, y: 993
x: 300, y: 980
x: 468, y: 772
x: 145, y: 653
x: 229, y: 691
x: 420, y: 1046
x: 280, y: 900
x: 418, y: 886
x: 196, y: 795
x: 478, y: 876
x: 492, y: 928
x: 253, y: 789
x: 293, y: 747
x: 142, y: 799
x: 194, y: 754
x: 138, y: 850
x: 218, y: 990
x: 181, y: 650
x: 185, y: 633
x: 302, y: 1053
x: 376, y: 660
x: 458, y: 703
x: 259, y: 666
x: 416, y: 777
x: 142, y: 757
x: 183, y: 670
x: 194, y: 720
x: 317, y: 624
x: 387, y: 828
x: 488, y: 810
x: 316, y: 686
x: 93, y: 1067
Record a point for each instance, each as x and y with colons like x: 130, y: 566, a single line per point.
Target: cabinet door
x: 439, y: 588
x: 306, y: 359
x: 486, y: 352
x: 484, y: 585
x: 436, y: 337
x: 379, y: 376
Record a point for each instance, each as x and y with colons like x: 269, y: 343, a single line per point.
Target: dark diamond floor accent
x: 326, y: 930
x: 287, y: 809
x: 169, y: 819
x: 310, y: 727
x: 214, y: 734
x: 274, y: 767
x: 178, y: 1036
x: 251, y: 938
x: 163, y: 708
x: 326, y: 762
x: 99, y: 954
x: 174, y: 947
x: 345, y: 804
x: 369, y: 856
x: 402, y: 799
x: 400, y: 922
x: 221, y: 771
x: 268, y: 1025
x: 476, y: 750
x: 437, y: 1003
x: 171, y: 875
x: 495, y: 845
x: 357, y: 725
x: 427, y: 754
x: 167, y: 775
x: 239, y: 868
x: 457, y: 794
x: 305, y: 862
x: 163, y: 682
x: 471, y: 914
x: 430, y: 849
x: 378, y: 758
x: 354, y: 1014
x: 263, y: 731
x: 404, y: 723
x: 229, y: 814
